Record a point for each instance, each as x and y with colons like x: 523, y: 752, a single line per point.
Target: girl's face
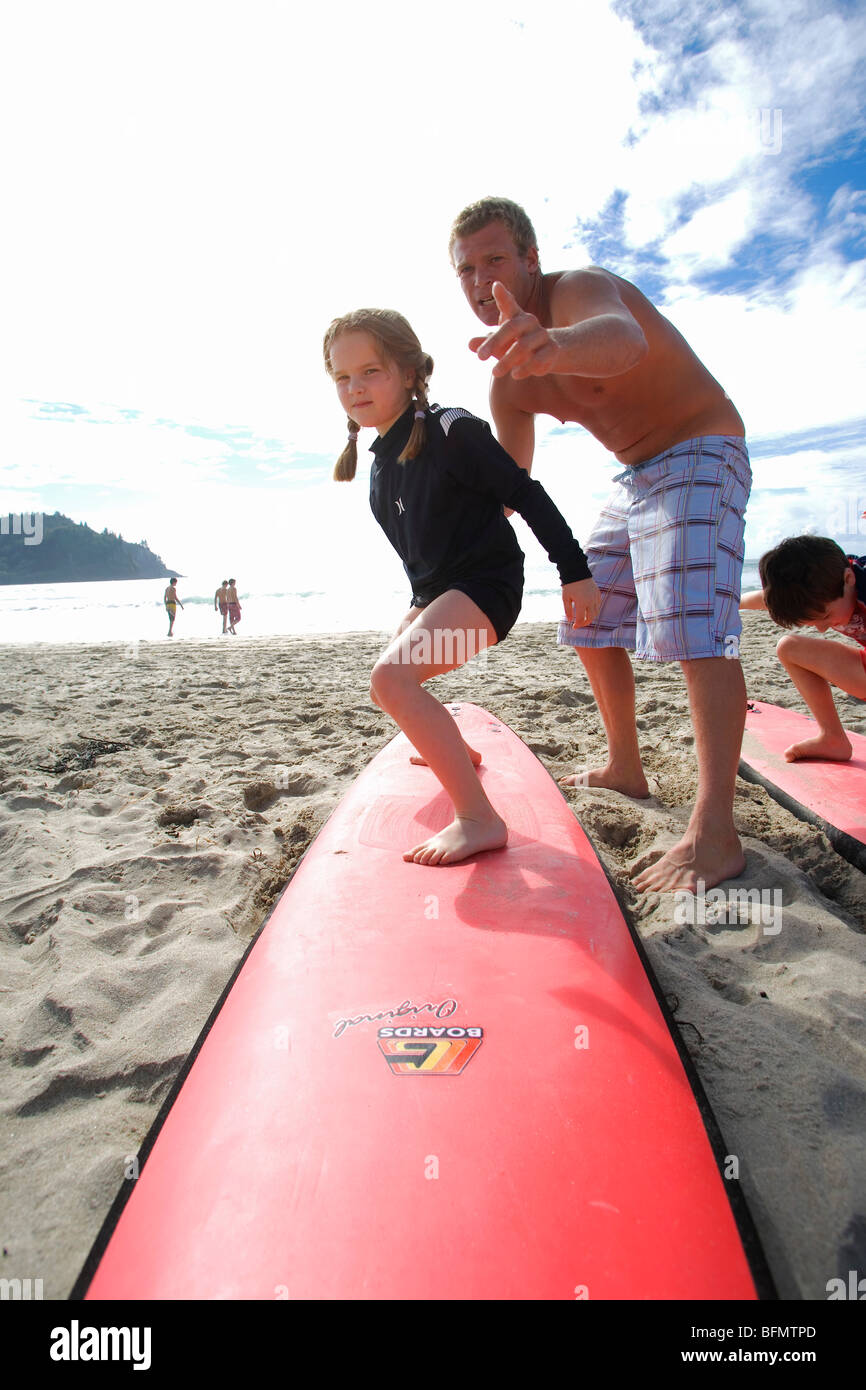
x: 372, y: 391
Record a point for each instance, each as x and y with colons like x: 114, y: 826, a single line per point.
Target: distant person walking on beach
x: 667, y: 551
x: 234, y: 606
x: 221, y: 601
x: 438, y: 484
x: 171, y: 604
x: 809, y: 581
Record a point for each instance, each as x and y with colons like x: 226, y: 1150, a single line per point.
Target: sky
x: 196, y: 189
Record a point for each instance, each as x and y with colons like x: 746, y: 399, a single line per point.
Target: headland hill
x: 38, y: 548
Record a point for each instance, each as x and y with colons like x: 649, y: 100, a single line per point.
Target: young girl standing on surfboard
x: 438, y: 484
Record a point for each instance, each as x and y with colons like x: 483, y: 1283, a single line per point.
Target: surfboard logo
x: 429, y: 1051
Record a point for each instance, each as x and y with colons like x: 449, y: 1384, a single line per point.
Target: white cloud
x: 199, y: 188
x: 710, y: 238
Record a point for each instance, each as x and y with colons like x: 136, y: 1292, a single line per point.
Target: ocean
x: 133, y: 611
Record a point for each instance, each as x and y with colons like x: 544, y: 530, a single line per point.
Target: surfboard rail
x: 827, y: 794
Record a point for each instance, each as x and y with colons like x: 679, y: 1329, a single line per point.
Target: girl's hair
x: 395, y: 339
x: 800, y: 576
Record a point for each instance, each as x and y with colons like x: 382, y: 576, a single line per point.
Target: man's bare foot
x: 824, y: 746
x: 687, y: 862
x: 612, y: 778
x: 422, y: 762
x: 458, y: 840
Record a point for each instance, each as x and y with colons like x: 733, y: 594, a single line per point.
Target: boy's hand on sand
x: 581, y: 601
x: 523, y: 345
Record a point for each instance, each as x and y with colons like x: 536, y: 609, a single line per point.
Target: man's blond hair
x: 479, y: 215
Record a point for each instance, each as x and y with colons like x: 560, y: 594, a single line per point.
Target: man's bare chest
x: 583, y: 400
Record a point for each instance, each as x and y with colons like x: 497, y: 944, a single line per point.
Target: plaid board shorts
x: 667, y: 554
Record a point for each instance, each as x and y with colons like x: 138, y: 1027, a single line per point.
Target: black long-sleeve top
x: 442, y: 510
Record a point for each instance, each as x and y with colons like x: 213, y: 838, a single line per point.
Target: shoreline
x: 151, y: 811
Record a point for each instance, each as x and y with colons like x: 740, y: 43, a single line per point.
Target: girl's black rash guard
x: 442, y: 510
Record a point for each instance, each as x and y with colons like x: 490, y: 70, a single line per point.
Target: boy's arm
x: 753, y: 599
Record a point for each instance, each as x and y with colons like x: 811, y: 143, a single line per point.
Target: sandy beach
x: 155, y: 798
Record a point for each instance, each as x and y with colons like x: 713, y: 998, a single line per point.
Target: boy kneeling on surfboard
x: 809, y: 581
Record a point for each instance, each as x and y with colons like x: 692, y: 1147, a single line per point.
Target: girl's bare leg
x: 407, y: 622
x: 814, y: 665
x: 438, y: 640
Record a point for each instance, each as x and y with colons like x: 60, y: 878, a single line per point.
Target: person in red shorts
x: 234, y: 606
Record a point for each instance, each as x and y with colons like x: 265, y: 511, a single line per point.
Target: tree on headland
x: 71, y: 552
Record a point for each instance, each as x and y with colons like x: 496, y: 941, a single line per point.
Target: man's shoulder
x: 585, y: 280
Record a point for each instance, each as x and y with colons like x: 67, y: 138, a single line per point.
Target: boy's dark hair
x: 800, y: 576
x: 173, y: 579
x: 477, y: 216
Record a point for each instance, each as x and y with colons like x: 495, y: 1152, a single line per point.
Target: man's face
x: 489, y: 255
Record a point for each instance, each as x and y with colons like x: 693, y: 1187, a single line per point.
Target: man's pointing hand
x: 522, y: 345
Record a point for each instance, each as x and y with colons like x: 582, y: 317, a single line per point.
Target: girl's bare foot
x: 824, y: 746
x: 616, y: 780
x: 422, y: 762
x: 458, y: 840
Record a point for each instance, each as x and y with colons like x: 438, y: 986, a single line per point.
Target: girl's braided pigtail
x: 415, y: 442
x: 347, y: 464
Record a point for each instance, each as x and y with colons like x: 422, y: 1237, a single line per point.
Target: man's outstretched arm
x: 593, y: 335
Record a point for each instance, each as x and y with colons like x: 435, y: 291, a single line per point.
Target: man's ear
x: 532, y: 258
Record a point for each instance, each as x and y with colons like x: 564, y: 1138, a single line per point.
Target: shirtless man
x: 220, y: 600
x: 234, y: 606
x: 667, y: 550
x: 171, y: 601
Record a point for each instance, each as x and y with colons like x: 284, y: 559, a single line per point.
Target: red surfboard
x: 436, y: 1083
x: 831, y: 795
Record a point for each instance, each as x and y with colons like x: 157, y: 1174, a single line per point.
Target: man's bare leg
x: 612, y: 680
x: 813, y: 663
x: 710, y: 848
